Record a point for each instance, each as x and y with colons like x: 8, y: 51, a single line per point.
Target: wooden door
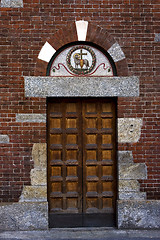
x: 81, y: 162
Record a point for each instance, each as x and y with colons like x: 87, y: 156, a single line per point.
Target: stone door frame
x: 130, y: 198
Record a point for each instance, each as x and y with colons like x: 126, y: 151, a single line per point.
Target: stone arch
x: 95, y: 34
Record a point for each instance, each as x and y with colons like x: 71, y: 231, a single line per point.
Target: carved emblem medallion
x: 81, y: 60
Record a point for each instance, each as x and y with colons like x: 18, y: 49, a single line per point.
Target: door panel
x: 81, y: 162
x: 64, y: 154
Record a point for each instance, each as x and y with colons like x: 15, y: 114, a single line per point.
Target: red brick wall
x: 132, y: 23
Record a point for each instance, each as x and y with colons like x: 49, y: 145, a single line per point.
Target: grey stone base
x: 24, y: 216
x: 137, y: 214
x: 132, y: 214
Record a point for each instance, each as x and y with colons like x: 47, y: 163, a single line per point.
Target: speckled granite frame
x: 81, y: 86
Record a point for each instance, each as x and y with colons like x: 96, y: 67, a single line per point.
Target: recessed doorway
x: 81, y: 135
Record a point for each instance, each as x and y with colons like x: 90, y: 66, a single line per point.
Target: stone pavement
x: 81, y: 234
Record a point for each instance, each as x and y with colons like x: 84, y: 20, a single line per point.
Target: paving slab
x: 81, y: 234
x: 110, y: 238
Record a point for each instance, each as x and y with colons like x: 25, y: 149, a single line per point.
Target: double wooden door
x: 81, y: 162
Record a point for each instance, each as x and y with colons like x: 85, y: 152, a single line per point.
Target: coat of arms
x: 81, y: 60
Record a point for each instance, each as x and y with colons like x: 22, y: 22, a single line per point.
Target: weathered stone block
x: 116, y: 52
x: 132, y: 195
x: 24, y: 216
x: 12, y: 3
x: 133, y: 171
x: 157, y: 37
x: 30, y: 117
x: 128, y: 185
x: 34, y: 194
x: 125, y: 157
x: 129, y: 173
x: 39, y: 155
x: 129, y: 129
x: 37, y: 192
x: 4, y: 138
x: 139, y: 214
x: 38, y: 177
